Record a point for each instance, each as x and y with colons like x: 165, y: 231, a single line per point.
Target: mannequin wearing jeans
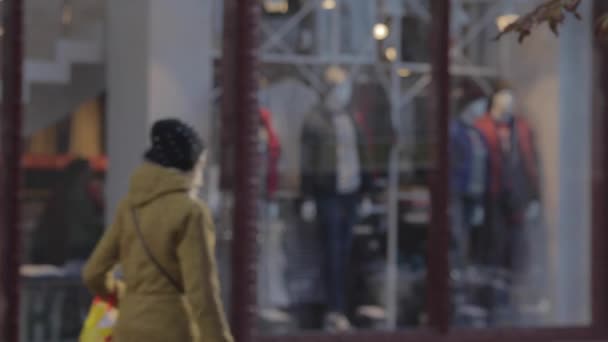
x: 332, y: 179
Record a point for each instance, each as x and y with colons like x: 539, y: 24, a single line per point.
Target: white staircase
x: 64, y: 63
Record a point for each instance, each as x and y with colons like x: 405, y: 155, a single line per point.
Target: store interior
x: 514, y: 196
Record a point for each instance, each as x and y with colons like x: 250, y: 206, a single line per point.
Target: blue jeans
x: 337, y: 215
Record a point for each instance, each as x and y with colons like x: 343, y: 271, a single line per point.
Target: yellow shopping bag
x: 100, y: 321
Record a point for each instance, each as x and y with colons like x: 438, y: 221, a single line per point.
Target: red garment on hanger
x: 490, y: 130
x: 274, y: 152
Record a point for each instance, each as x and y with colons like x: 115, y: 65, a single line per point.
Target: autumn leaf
x: 552, y: 12
x: 572, y: 7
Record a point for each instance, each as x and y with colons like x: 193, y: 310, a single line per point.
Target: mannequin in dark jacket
x: 333, y: 171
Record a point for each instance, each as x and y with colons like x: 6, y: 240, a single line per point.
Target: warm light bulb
x: 505, y: 20
x: 390, y: 53
x: 67, y: 15
x: 328, y: 4
x: 404, y: 72
x: 335, y: 74
x: 380, y: 31
x: 274, y: 6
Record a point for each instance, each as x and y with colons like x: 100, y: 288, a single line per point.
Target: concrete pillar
x: 573, y: 278
x: 159, y: 63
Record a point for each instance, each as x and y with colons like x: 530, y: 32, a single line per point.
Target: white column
x: 574, y: 238
x: 159, y: 64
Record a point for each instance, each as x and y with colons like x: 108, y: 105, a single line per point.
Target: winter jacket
x: 319, y: 156
x: 180, y: 234
x: 523, y: 140
x: 469, y: 162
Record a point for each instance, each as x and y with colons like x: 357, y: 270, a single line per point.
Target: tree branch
x: 551, y: 12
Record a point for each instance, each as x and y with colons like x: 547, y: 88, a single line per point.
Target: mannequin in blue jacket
x: 468, y: 179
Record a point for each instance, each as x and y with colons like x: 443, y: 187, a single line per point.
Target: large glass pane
x: 97, y: 75
x: 345, y: 206
x: 520, y: 141
x: 64, y: 164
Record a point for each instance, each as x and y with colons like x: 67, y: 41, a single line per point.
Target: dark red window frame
x: 10, y: 153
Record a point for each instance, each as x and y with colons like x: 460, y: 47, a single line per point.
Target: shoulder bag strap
x: 160, y: 268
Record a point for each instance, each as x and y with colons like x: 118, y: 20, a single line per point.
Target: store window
x: 349, y: 244
x: 62, y: 208
x: 521, y: 143
x: 345, y: 214
x: 63, y: 164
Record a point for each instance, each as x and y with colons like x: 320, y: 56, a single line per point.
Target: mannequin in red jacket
x: 512, y: 196
x: 513, y: 186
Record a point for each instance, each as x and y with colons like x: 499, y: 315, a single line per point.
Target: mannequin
x: 469, y: 153
x: 512, y: 194
x: 513, y: 134
x: 333, y: 177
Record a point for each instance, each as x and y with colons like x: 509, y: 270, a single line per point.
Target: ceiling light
x: 380, y: 31
x: 503, y: 21
x: 328, y: 4
x: 390, y: 53
x: 335, y: 74
x: 67, y: 15
x: 276, y: 6
x: 404, y: 72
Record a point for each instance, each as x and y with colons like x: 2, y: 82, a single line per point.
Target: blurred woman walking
x: 164, y: 239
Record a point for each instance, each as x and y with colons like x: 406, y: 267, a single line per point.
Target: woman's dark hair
x: 174, y: 144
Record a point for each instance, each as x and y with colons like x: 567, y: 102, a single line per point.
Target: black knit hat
x: 174, y: 144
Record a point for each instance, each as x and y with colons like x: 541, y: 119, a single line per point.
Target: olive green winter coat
x: 180, y: 234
